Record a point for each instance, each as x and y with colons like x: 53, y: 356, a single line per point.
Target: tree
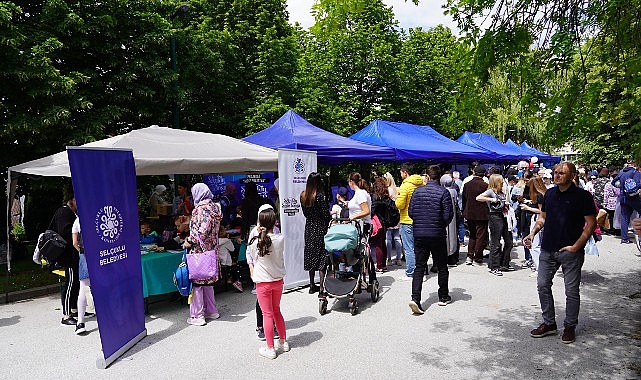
x: 348, y: 68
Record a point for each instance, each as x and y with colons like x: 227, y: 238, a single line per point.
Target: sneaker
x: 568, y: 336
x: 71, y: 321
x: 238, y: 286
x: 267, y: 352
x: 469, y: 261
x: 543, y: 330
x: 622, y: 242
x: 405, y: 278
x: 507, y: 269
x: 443, y: 301
x: 212, y: 316
x: 282, y: 346
x: 416, y: 307
x: 496, y: 272
x: 196, y: 321
x: 254, y: 290
x: 80, y: 328
x: 260, y: 333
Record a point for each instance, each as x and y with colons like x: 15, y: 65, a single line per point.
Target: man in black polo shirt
x: 569, y: 216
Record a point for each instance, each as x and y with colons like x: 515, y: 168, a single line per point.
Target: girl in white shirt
x: 361, y: 203
x: 267, y: 271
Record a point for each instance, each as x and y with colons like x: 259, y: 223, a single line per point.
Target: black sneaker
x: 443, y: 301
x: 416, y: 307
x: 87, y: 315
x: 71, y: 321
x: 260, y: 333
x: 80, y: 328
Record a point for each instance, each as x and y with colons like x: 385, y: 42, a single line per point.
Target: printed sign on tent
x: 108, y: 212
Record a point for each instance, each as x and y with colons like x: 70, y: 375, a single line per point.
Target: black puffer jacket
x: 431, y: 210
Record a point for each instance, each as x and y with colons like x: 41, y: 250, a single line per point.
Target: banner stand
x: 103, y: 363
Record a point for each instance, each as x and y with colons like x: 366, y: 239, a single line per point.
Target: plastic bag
x: 590, y: 247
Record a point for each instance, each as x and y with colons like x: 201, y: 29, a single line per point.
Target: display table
x: 158, y: 270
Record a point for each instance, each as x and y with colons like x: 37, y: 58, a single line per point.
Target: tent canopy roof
x: 416, y: 142
x: 292, y: 131
x: 491, y: 144
x: 159, y: 150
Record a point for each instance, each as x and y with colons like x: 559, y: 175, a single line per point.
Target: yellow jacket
x: 405, y: 192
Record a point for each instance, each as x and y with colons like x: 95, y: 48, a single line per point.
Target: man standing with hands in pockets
x: 569, y: 216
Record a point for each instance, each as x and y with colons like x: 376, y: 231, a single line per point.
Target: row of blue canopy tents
x: 387, y: 141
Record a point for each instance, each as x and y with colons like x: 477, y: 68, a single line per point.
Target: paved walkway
x: 483, y: 334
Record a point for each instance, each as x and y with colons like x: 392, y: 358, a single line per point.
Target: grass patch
x: 25, y: 275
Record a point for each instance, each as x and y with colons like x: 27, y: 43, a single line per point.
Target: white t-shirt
x: 75, y: 229
x: 354, y: 205
x: 269, y: 268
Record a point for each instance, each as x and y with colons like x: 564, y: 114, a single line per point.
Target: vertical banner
x: 104, y: 182
x: 293, y: 168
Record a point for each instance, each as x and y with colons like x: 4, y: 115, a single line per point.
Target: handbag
x: 202, y: 266
x: 181, y: 277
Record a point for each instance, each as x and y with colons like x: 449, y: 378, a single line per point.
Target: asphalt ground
x: 483, y: 334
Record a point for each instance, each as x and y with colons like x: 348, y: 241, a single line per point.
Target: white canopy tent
x: 159, y: 150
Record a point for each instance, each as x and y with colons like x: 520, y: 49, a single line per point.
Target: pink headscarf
x: 200, y: 192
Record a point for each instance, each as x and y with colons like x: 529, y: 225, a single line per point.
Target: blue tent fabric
x: 542, y: 155
x: 292, y: 131
x: 516, y: 147
x: 491, y: 144
x: 416, y: 142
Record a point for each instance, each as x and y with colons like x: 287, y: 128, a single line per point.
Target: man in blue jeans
x: 405, y: 191
x: 431, y: 211
x: 569, y: 216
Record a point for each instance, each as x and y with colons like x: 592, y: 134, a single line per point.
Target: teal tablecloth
x: 158, y: 272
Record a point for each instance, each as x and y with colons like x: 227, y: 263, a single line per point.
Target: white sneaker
x: 196, y: 321
x: 212, y: 316
x: 405, y: 278
x: 282, y: 346
x: 469, y: 261
x: 269, y: 353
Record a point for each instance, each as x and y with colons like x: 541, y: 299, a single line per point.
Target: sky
x: 427, y: 14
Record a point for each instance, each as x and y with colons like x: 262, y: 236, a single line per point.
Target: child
x: 225, y: 249
x: 267, y: 266
x: 340, y: 210
x: 147, y: 236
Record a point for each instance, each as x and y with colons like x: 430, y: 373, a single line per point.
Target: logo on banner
x: 109, y: 224
x: 290, y: 206
x: 299, y: 166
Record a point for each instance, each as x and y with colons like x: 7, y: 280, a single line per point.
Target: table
x: 158, y: 270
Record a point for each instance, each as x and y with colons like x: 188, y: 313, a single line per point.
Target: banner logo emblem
x: 299, y: 166
x: 109, y: 224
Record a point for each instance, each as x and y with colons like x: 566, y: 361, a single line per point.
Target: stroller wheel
x: 322, y: 306
x: 376, y: 291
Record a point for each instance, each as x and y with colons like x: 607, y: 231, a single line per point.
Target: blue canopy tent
x: 542, y: 155
x: 490, y: 144
x: 517, y: 148
x: 292, y: 131
x: 416, y: 142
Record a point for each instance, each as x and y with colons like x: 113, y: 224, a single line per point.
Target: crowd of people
x: 553, y: 212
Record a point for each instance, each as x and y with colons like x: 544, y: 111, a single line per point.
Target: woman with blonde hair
x: 392, y: 234
x: 496, y: 202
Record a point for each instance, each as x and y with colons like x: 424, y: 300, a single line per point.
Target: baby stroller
x: 350, y: 267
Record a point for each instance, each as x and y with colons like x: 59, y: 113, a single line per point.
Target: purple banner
x: 104, y: 182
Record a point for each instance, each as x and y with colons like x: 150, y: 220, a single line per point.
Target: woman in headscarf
x: 156, y: 199
x: 452, y: 229
x: 203, y: 236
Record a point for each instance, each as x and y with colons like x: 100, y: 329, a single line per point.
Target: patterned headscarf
x: 200, y: 192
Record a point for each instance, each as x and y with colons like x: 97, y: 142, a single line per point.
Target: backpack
x: 392, y: 215
x: 50, y: 247
x: 630, y: 183
x: 181, y: 277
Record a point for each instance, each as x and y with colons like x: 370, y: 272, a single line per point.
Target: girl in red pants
x: 267, y: 271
